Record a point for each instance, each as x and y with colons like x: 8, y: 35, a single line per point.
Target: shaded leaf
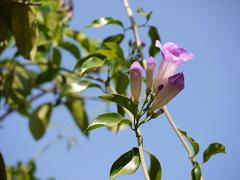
x: 153, y: 34
x: 194, y: 144
x: 107, y: 119
x: 155, y: 170
x: 76, y: 107
x: 115, y: 38
x: 3, y: 175
x: 71, y: 48
x: 213, y: 149
x: 126, y: 164
x: 39, y: 119
x: 121, y: 101
x: 103, y: 21
x: 196, y: 172
x: 24, y: 30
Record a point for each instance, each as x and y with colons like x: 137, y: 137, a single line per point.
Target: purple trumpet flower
x: 166, y: 93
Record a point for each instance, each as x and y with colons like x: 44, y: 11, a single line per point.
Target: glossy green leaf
x: 153, y: 34
x: 194, y: 144
x: 39, y: 119
x: 196, y: 172
x: 118, y: 38
x: 26, y: 33
x: 3, y: 175
x: 121, y: 101
x: 155, y: 170
x: 108, y: 120
x: 126, y: 164
x: 77, y: 87
x: 118, y: 52
x: 213, y: 149
x: 76, y: 107
x: 90, y: 65
x: 71, y: 48
x: 141, y: 12
x: 103, y: 21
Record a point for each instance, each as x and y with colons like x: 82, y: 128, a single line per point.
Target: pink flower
x: 172, y: 57
x: 151, y: 65
x: 174, y: 85
x: 136, y: 80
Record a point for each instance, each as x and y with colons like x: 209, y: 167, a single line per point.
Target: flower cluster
x: 166, y: 85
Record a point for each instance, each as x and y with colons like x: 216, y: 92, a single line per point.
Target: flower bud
x: 174, y: 85
x: 151, y: 65
x: 136, y: 80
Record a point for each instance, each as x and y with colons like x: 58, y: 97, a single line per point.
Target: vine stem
x: 138, y: 43
x: 180, y: 136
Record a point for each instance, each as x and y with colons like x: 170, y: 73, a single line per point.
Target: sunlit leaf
x: 155, y: 170
x: 90, y: 65
x: 126, y: 164
x: 103, y: 21
x: 107, y: 119
x: 153, y: 34
x: 77, y: 87
x: 115, y: 48
x: 39, y: 119
x: 194, y: 144
x: 76, y: 107
x: 213, y: 149
x: 196, y: 172
x: 121, y: 101
x: 141, y: 12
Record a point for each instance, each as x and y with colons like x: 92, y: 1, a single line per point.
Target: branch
x: 11, y: 110
x: 138, y: 43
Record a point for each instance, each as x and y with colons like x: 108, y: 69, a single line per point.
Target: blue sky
x: 207, y: 108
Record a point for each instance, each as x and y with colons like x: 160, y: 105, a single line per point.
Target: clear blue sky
x: 207, y: 109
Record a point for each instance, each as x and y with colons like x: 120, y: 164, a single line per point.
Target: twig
x: 11, y: 110
x: 180, y: 136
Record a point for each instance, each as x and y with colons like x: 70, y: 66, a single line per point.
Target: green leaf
x: 121, y: 101
x: 76, y: 107
x: 213, y: 149
x: 24, y: 29
x: 121, y: 83
x: 118, y: 52
x: 126, y: 164
x: 109, y: 54
x: 103, y: 21
x: 194, y: 144
x: 118, y: 38
x: 108, y: 119
x: 77, y: 87
x: 71, y: 48
x: 153, y: 34
x: 91, y: 65
x: 39, y: 119
x: 155, y: 170
x: 141, y: 12
x: 196, y: 172
x: 3, y: 175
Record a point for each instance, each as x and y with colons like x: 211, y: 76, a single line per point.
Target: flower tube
x: 151, y: 65
x: 172, y: 57
x: 174, y: 85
